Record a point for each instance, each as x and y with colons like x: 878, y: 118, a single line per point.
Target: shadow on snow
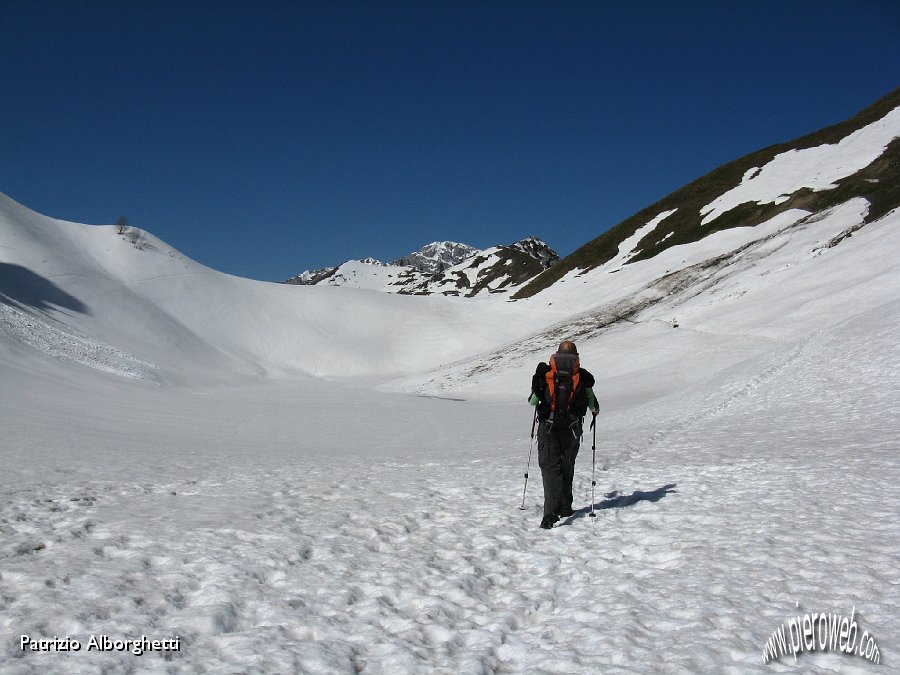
x: 21, y: 287
x: 614, y: 500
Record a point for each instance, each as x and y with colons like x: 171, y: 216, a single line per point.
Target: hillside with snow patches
x: 859, y: 157
x: 325, y: 479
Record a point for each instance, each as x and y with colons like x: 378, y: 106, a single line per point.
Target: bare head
x: 567, y: 347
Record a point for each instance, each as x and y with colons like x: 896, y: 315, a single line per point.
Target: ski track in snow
x: 728, y: 395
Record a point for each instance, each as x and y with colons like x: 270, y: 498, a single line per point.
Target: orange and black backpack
x: 561, y: 388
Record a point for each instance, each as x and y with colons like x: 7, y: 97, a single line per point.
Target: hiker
x: 563, y: 393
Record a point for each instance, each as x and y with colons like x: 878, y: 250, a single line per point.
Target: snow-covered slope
x: 162, y: 308
x: 817, y: 168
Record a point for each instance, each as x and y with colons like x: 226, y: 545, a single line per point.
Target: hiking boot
x: 549, y: 521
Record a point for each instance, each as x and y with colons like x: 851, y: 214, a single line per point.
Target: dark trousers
x: 557, y: 450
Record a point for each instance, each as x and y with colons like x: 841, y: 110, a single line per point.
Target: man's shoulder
x: 586, y: 377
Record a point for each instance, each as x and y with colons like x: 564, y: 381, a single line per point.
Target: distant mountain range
x: 444, y: 267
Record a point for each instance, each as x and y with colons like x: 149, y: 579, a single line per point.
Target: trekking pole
x: 593, y: 463
x: 528, y: 465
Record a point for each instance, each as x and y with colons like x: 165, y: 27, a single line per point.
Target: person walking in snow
x: 563, y: 392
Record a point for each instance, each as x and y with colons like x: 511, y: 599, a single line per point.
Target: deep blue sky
x: 264, y: 138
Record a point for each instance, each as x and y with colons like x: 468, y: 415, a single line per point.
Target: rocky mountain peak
x: 437, y: 256
x: 537, y: 248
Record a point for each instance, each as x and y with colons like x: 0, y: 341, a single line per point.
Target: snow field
x: 404, y: 551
